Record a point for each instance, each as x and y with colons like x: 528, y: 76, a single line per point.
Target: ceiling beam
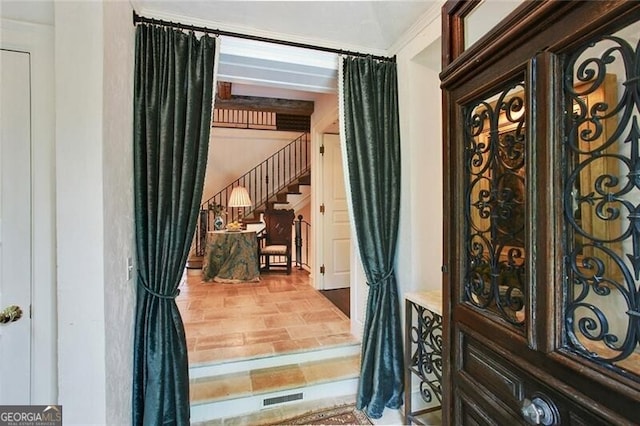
x: 255, y: 103
x: 223, y: 90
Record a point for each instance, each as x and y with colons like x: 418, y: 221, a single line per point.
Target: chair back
x: 279, y: 226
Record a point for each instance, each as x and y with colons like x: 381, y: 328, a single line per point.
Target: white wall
x: 419, y: 256
x: 117, y: 150
x: 79, y: 66
x: 94, y: 75
x: 80, y: 206
x: 233, y: 152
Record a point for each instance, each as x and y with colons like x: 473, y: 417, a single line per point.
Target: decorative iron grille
x: 495, y: 188
x: 426, y: 352
x: 601, y: 196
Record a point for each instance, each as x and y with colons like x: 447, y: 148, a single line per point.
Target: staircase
x: 269, y: 184
x: 282, y: 196
x: 265, y: 390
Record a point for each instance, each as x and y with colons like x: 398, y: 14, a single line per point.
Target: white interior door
x: 15, y: 225
x: 336, y: 226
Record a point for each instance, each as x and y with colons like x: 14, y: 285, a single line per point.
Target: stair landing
x: 280, y: 314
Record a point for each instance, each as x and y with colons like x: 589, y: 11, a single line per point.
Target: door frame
x: 38, y: 41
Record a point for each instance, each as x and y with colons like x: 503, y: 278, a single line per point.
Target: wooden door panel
x: 481, y: 369
x: 471, y: 411
x: 500, y: 387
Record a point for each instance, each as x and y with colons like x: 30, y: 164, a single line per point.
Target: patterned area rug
x: 345, y: 415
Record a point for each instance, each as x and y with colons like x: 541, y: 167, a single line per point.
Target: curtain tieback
x: 377, y: 283
x: 156, y: 294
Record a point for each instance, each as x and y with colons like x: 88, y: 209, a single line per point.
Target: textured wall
x: 119, y: 292
x: 79, y: 211
x: 419, y: 255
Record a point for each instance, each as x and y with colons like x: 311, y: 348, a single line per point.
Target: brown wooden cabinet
x: 542, y: 228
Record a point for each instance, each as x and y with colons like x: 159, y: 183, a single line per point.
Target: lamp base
x: 243, y: 225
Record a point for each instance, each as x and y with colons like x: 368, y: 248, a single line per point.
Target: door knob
x: 10, y: 314
x: 538, y: 411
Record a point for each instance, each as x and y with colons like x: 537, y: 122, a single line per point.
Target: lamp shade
x: 239, y: 197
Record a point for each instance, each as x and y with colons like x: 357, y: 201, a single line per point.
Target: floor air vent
x: 281, y: 399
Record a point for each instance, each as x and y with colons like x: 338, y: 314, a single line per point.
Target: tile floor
x: 280, y: 314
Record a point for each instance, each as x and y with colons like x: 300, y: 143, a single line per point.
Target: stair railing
x: 263, y: 182
x: 302, y: 233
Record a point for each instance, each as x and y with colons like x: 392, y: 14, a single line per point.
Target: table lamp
x: 240, y: 198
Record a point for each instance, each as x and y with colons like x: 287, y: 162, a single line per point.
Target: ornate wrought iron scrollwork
x: 426, y: 354
x: 602, y: 200
x: 495, y: 203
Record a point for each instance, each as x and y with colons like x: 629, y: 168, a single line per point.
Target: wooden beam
x: 254, y: 103
x: 224, y: 90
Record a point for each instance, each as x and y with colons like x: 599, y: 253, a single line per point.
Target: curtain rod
x: 142, y: 19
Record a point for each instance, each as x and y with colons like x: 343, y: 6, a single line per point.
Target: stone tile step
x: 250, y: 391
x: 218, y: 368
x: 270, y: 416
x: 272, y: 379
x: 195, y: 262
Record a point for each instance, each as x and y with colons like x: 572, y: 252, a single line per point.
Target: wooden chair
x: 276, y: 240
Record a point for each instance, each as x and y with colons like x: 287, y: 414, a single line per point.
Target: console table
x: 231, y: 257
x: 423, y: 352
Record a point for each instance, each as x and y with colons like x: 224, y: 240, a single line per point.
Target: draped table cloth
x: 231, y: 257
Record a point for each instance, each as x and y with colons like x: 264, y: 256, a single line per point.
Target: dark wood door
x: 542, y: 232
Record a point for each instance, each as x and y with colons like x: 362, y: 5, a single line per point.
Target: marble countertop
x: 431, y: 300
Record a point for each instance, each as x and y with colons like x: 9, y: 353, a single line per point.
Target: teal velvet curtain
x: 172, y: 114
x: 372, y: 139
